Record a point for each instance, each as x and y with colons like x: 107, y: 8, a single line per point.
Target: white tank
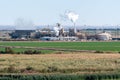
x: 104, y: 36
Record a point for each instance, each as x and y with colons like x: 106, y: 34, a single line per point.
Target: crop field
x: 98, y: 46
x: 70, y: 66
x: 49, y: 66
x: 60, y: 63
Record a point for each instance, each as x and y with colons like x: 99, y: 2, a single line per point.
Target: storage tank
x: 104, y: 36
x: 81, y: 35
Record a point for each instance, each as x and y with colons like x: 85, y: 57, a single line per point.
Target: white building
x: 104, y: 36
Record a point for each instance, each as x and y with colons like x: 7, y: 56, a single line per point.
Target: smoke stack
x: 73, y: 17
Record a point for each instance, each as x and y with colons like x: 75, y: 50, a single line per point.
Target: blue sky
x: 47, y: 12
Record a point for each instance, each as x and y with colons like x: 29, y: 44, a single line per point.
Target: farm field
x: 60, y: 63
x: 98, y: 46
x: 55, y: 65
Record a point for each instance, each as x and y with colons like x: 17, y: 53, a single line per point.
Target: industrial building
x: 59, y: 33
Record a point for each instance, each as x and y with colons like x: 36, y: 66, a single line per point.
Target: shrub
x: 52, y: 69
x: 2, y: 52
x: 32, y: 52
x: 99, y: 52
x: 9, y: 50
x: 58, y: 52
x: 36, y: 52
x: 28, y: 52
x: 29, y: 68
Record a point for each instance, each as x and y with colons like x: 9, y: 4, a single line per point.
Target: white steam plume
x: 57, y: 28
x: 69, y: 15
x: 72, y: 16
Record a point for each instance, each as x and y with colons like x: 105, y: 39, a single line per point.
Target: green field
x: 98, y: 46
x: 72, y: 64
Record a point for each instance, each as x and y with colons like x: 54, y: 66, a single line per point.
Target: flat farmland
x: 98, y: 46
x: 60, y: 63
x: 75, y: 64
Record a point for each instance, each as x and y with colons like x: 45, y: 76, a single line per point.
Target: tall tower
x: 75, y: 30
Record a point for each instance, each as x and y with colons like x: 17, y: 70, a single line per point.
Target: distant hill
x: 10, y: 27
x: 7, y: 27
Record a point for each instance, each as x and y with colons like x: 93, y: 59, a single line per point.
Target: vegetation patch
x: 110, y: 76
x: 99, y: 52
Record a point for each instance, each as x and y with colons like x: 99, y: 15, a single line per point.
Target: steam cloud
x: 56, y: 29
x: 70, y: 15
x: 21, y: 23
